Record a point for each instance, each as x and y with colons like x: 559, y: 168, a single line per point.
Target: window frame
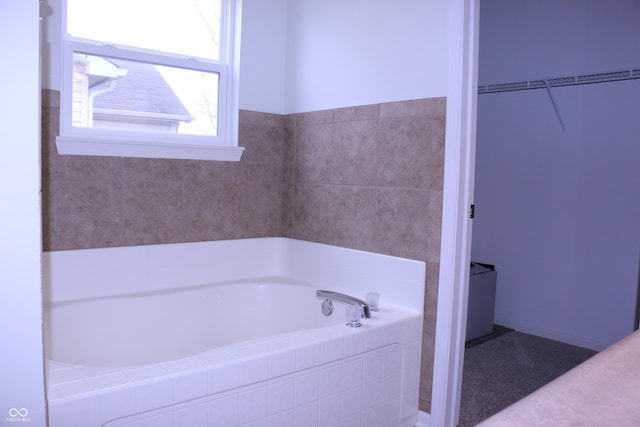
x: 74, y: 140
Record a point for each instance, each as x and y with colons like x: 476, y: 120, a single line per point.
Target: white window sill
x: 146, y: 149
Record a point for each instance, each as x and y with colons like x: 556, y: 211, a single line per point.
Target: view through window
x: 148, y: 65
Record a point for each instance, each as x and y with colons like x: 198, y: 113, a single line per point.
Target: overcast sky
x: 179, y: 26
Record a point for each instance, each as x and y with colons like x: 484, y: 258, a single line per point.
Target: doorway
x: 555, y: 210
x: 458, y: 194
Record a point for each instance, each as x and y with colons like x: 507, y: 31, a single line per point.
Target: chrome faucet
x: 347, y: 299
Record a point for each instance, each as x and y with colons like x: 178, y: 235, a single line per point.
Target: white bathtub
x: 229, y: 333
x: 154, y: 327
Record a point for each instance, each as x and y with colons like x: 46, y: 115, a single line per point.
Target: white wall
x: 344, y: 53
x: 21, y: 370
x: 530, y: 39
x: 50, y: 46
x: 307, y: 55
x: 558, y: 212
x: 262, y: 61
x: 304, y: 55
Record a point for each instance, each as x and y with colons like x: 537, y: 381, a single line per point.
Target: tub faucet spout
x: 347, y: 299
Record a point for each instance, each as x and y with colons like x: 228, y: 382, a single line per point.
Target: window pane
x: 111, y: 93
x: 187, y: 27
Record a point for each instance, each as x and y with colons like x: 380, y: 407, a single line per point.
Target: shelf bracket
x: 555, y: 106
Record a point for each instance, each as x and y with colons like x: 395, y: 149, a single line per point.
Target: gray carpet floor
x: 503, y: 370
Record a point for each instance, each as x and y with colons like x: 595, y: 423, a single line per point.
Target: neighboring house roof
x: 143, y: 89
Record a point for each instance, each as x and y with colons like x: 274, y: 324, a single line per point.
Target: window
x: 143, y: 78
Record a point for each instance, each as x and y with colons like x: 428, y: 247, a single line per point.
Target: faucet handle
x: 354, y: 314
x: 373, y: 298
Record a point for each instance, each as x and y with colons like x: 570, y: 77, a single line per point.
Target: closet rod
x: 561, y: 81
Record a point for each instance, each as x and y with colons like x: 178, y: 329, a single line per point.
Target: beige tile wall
x: 367, y: 177
x: 105, y: 201
x: 370, y: 178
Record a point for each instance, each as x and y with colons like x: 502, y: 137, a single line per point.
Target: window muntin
x: 199, y: 84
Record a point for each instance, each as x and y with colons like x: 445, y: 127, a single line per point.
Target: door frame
x: 455, y: 248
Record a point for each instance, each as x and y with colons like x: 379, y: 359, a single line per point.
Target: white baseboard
x: 553, y: 335
x: 424, y: 419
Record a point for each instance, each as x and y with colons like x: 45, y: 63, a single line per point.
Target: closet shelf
x: 561, y: 81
